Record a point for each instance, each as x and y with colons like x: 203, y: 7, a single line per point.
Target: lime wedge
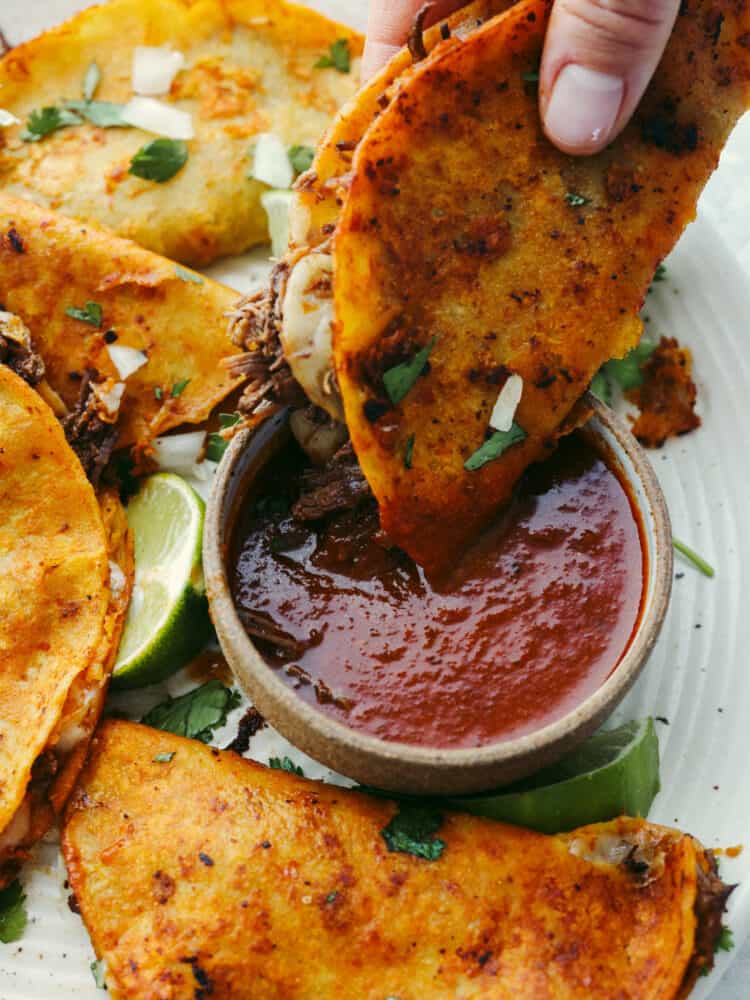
x: 167, y: 621
x: 277, y: 204
x: 614, y: 773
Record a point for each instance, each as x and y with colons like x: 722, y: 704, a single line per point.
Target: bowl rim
x: 253, y: 674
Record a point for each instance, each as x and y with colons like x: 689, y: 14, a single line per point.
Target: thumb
x: 599, y: 56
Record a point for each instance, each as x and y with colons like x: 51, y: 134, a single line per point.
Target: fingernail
x: 583, y: 108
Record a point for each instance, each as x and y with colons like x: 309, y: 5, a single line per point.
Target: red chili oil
x: 531, y: 620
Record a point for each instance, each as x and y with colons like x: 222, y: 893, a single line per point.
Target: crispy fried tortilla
x: 465, y: 231
x: 50, y: 264
x: 198, y: 871
x: 305, y: 307
x: 58, y: 615
x: 250, y: 69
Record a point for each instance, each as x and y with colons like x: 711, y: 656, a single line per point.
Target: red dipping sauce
x: 531, y: 621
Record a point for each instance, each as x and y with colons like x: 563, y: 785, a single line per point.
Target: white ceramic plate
x: 698, y: 676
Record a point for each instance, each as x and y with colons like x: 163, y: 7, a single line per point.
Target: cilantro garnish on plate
x: 45, y: 121
x: 286, y: 764
x: 195, y: 714
x: 339, y: 57
x: 301, y: 158
x: 91, y: 313
x: 399, y: 380
x: 12, y: 912
x: 494, y: 447
x: 412, y: 831
x: 159, y: 160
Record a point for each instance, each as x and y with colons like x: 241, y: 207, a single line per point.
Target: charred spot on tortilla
x: 553, y: 255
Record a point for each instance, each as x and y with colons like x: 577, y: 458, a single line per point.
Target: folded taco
x: 454, y: 282
x: 200, y: 873
x: 65, y: 578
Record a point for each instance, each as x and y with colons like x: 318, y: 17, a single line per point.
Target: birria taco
x: 113, y: 321
x: 470, y: 277
x: 204, y: 79
x: 200, y: 873
x: 65, y: 579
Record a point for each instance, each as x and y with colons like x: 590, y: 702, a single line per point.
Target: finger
x: 388, y: 28
x: 599, y: 56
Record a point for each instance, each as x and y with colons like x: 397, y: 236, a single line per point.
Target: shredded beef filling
x: 339, y: 485
x: 255, y: 327
x: 251, y: 723
x: 22, y: 360
x: 90, y: 437
x: 710, y: 904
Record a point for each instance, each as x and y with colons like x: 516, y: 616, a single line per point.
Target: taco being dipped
x: 442, y: 250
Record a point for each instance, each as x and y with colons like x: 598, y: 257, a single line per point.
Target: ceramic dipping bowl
x: 401, y: 767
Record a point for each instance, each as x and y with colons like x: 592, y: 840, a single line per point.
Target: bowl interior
x: 404, y: 767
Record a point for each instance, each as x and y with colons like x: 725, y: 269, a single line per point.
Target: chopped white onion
x: 179, y: 453
x: 154, y: 69
x: 7, y: 119
x: 155, y: 116
x: 110, y: 395
x: 271, y: 164
x: 202, y: 478
x: 504, y: 411
x: 126, y: 359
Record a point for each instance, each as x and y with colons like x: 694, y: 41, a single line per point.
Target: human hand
x: 599, y: 56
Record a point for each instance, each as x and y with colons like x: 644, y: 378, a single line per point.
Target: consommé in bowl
x: 410, y: 765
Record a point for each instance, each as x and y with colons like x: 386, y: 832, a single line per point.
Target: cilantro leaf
x: 105, y: 114
x: 215, y: 447
x: 399, y: 380
x: 286, y: 764
x: 494, y: 447
x: 531, y: 77
x: 301, y: 158
x: 339, y: 57
x: 159, y: 160
x: 46, y: 121
x: 660, y: 274
x: 725, y: 940
x: 163, y: 758
x: 158, y: 392
x: 98, y: 970
x: 217, y: 444
x: 409, y: 451
x: 601, y: 388
x: 179, y: 387
x: 576, y: 200
x: 12, y: 912
x: 195, y: 714
x: 91, y: 80
x: 91, y: 313
x: 627, y: 371
x: 411, y: 832
x: 184, y: 275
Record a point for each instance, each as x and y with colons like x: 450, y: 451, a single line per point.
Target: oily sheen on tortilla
x: 465, y: 235
x: 251, y: 882
x: 250, y: 68
x: 54, y: 603
x: 51, y: 265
